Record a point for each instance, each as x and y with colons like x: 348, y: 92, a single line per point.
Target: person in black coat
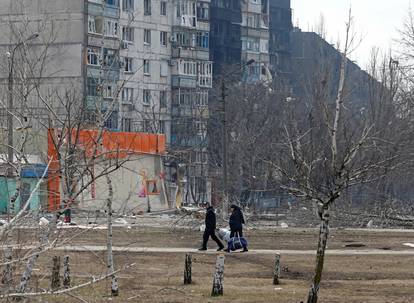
x: 210, y: 230
x: 236, y: 222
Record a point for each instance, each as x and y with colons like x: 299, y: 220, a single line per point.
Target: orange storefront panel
x: 114, y: 145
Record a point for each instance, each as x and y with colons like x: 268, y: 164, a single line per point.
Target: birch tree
x: 329, y: 144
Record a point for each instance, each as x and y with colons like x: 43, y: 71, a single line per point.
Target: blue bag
x: 237, y: 242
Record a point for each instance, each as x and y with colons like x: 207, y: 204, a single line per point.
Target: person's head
x: 233, y: 207
x: 206, y: 204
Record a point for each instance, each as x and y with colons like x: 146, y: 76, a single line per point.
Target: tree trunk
x: 187, y: 269
x: 320, y: 256
x: 276, y: 273
x: 27, y: 274
x: 110, y: 261
x: 55, y: 279
x: 218, y: 277
x: 66, y: 272
x: 7, y: 275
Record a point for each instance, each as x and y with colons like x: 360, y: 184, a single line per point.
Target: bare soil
x: 158, y: 277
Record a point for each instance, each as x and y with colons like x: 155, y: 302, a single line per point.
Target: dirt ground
x: 158, y: 277
x: 298, y: 238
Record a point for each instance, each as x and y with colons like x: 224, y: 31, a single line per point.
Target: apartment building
x: 191, y: 81
x: 240, y: 32
x: 280, y: 27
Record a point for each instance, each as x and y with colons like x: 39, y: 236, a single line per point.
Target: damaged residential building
x: 192, y: 79
x: 240, y: 32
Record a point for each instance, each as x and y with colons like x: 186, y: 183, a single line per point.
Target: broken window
x: 95, y: 25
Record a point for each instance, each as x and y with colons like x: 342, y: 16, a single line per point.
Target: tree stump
x: 66, y: 272
x: 187, y: 269
x: 276, y: 272
x: 7, y: 275
x: 218, y: 277
x: 55, y: 279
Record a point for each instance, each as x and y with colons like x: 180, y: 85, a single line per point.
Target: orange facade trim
x: 114, y: 145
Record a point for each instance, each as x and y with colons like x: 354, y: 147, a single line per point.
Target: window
x: 163, y: 8
x: 147, y: 36
x: 128, y: 65
x: 163, y: 99
x: 202, y: 39
x: 112, y: 121
x: 127, y: 5
x: 112, y: 2
x: 163, y: 68
x: 161, y: 129
x: 202, y: 11
x: 146, y: 67
x: 250, y: 44
x: 94, y: 54
x: 127, y: 94
x: 127, y: 34
x: 163, y: 38
x: 108, y: 91
x: 147, y: 7
x: 92, y: 87
x: 146, y: 97
x: 126, y: 124
x: 109, y: 56
x: 188, y: 68
x: 205, y: 78
x: 95, y: 25
x: 111, y: 28
x: 264, y: 46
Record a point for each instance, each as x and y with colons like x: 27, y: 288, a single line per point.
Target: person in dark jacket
x: 210, y: 230
x: 236, y: 223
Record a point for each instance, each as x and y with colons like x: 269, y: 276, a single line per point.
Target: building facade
x: 192, y: 79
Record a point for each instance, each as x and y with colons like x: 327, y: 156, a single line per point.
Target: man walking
x: 236, y: 223
x: 210, y: 230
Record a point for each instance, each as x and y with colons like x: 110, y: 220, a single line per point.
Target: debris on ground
x: 355, y: 245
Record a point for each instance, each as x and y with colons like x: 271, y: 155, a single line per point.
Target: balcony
x: 182, y: 81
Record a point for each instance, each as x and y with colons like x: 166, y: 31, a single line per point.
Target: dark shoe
x: 202, y: 249
x: 245, y: 249
x: 227, y: 250
x: 220, y: 248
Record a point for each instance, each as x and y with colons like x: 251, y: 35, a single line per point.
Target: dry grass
x: 157, y: 277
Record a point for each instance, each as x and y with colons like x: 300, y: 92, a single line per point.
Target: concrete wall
x: 127, y: 184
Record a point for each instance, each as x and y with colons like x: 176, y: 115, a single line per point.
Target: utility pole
x: 10, y: 105
x: 225, y: 195
x: 224, y: 134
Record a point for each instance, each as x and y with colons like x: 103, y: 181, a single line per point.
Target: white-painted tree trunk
x: 276, y: 272
x: 110, y: 257
x: 66, y: 272
x: 27, y: 274
x: 218, y: 278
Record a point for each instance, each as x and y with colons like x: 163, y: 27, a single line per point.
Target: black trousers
x: 211, y: 233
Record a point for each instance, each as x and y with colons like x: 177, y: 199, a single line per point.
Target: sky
x: 376, y: 22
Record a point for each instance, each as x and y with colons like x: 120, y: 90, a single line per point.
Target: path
x: 134, y: 249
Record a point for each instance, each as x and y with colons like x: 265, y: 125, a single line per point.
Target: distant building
x: 314, y: 60
x: 280, y: 27
x: 240, y: 32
